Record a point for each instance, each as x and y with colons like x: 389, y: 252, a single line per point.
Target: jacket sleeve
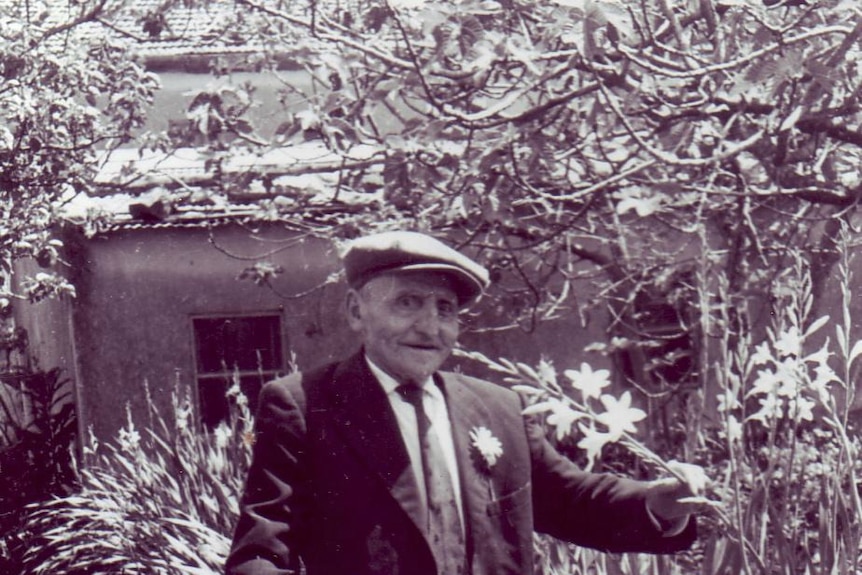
x: 266, y: 539
x: 596, y: 510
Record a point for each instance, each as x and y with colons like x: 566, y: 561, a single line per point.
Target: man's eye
x: 447, y: 309
x: 409, y: 302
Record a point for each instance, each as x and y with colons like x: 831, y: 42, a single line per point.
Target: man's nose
x: 428, y: 319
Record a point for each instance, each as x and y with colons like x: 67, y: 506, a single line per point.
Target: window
x: 248, y: 347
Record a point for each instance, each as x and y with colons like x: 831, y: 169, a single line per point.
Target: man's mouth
x: 422, y: 346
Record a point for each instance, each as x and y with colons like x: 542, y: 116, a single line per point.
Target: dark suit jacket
x: 331, y: 484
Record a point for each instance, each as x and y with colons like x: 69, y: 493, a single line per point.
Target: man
x: 381, y: 464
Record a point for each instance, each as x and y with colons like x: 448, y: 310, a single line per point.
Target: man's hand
x: 672, y: 498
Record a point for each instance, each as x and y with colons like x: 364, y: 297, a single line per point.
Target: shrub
x: 786, y: 465
x: 35, y: 452
x: 164, y: 501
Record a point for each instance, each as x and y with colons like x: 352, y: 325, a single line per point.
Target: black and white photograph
x: 430, y: 287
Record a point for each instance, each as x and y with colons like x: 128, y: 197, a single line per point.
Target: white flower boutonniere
x: 487, y: 446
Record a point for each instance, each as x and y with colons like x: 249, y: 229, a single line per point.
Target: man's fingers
x: 693, y: 476
x: 667, y: 484
x: 701, y: 502
x: 699, y: 505
x: 682, y: 493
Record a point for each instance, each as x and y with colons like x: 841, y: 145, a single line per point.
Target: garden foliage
x: 37, y: 432
x: 779, y: 443
x: 162, y: 499
x: 64, y: 99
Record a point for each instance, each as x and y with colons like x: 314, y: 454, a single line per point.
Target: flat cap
x: 386, y: 252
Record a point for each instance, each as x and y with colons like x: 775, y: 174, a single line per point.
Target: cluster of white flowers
x: 787, y: 383
x: 598, y: 426
x: 129, y: 439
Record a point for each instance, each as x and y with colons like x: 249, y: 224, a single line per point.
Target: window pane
x: 243, y: 343
x: 213, y: 399
x: 225, y: 345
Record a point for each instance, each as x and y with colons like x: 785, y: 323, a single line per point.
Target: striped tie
x: 443, y: 531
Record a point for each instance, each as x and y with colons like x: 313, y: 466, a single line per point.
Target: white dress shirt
x: 435, y: 408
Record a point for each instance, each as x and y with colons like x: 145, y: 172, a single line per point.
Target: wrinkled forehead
x: 423, y: 282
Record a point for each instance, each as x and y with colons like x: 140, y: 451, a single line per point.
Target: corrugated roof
x: 117, y: 212
x: 312, y: 218
x: 304, y: 175
x: 152, y: 168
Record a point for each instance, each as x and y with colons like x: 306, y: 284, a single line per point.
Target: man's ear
x: 354, y: 310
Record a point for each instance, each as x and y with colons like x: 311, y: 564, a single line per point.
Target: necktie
x: 444, y: 531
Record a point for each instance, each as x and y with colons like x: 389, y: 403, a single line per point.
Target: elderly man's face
x: 408, y: 322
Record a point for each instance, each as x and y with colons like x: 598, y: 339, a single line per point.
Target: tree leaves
x: 61, y: 104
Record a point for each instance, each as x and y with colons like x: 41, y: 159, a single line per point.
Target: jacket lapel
x: 371, y: 429
x: 467, y: 411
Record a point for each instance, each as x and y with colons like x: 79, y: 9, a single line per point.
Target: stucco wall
x: 139, y: 289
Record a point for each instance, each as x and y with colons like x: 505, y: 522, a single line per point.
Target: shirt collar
x: 390, y: 384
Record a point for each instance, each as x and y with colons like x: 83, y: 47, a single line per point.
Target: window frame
x: 226, y: 375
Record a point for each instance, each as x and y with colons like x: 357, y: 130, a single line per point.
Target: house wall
x: 139, y: 289
x: 50, y: 341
